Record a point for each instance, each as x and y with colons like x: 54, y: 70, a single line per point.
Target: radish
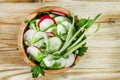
x: 29, y: 35
x: 45, y: 22
x: 70, y: 60
x: 35, y: 52
x: 50, y: 34
x: 58, y: 12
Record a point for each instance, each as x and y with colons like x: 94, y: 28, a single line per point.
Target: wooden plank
x: 101, y: 61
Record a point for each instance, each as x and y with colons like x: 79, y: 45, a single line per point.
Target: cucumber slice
x: 34, y: 24
x: 38, y: 36
x: 54, y: 44
x: 35, y: 52
x: 54, y: 64
x: 67, y: 24
x: 61, y: 29
x: 61, y: 19
x: 40, y: 43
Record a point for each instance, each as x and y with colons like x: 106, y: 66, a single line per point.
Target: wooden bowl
x: 23, y: 29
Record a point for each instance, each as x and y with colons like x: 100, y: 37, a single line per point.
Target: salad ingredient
x: 58, y: 12
x: 35, y: 52
x: 45, y: 22
x: 70, y: 60
x: 54, y: 44
x: 60, y: 19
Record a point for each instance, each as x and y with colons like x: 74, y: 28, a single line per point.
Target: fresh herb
x: 31, y: 57
x: 81, y: 51
x: 56, y: 65
x: 27, y: 21
x: 36, y: 70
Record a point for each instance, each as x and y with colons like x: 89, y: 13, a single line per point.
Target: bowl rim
x: 23, y: 28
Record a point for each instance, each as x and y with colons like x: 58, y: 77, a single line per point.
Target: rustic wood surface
x: 102, y: 60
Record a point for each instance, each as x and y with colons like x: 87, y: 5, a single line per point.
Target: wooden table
x: 102, y: 60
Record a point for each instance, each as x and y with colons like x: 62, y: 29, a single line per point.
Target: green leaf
x: 43, y: 65
x: 56, y: 56
x: 81, y: 51
x: 26, y: 43
x: 82, y: 22
x: 27, y: 21
x: 56, y: 65
x: 36, y: 70
x: 31, y: 57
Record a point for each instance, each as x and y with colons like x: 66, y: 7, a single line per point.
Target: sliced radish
x: 29, y: 34
x: 54, y: 44
x: 35, y: 52
x: 70, y: 60
x: 58, y: 12
x: 50, y: 34
x: 45, y: 22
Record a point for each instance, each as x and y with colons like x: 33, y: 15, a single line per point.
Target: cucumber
x: 54, y: 64
x: 60, y: 19
x: 54, y: 44
x: 34, y: 24
x: 38, y: 36
x: 61, y: 29
x: 67, y: 24
x: 40, y: 43
x: 35, y: 52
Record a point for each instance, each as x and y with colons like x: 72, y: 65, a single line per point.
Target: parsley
x: 36, y: 70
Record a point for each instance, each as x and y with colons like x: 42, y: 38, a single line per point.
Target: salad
x: 53, y: 40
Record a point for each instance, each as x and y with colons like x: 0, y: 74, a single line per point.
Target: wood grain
x: 102, y: 60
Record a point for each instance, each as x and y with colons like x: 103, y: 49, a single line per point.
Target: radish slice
x: 35, y: 52
x: 45, y: 22
x: 29, y: 34
x: 70, y: 60
x: 58, y: 12
x: 50, y: 34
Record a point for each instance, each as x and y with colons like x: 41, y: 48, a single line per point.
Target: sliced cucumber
x: 54, y: 64
x: 35, y: 52
x: 54, y: 44
x: 67, y: 24
x: 40, y: 43
x: 34, y: 24
x: 61, y: 29
x: 38, y: 36
x: 61, y: 19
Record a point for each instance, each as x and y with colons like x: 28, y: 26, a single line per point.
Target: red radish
x: 50, y: 34
x: 29, y: 34
x: 35, y: 52
x: 70, y: 60
x: 58, y: 12
x: 45, y: 22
